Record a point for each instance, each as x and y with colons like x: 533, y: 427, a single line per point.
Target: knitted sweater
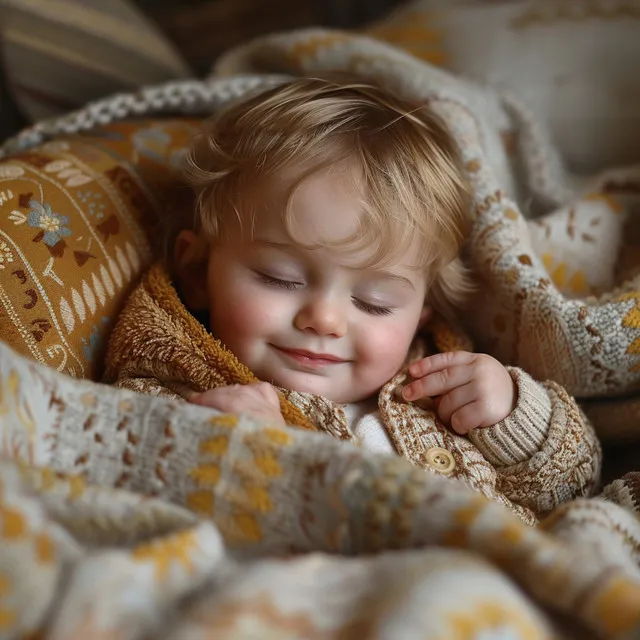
x: 540, y: 456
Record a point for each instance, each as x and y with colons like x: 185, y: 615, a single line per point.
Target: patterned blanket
x: 127, y: 516
x: 130, y: 516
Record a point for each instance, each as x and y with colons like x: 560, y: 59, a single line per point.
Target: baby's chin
x: 336, y: 390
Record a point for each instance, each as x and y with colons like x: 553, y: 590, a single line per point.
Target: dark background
x: 202, y: 29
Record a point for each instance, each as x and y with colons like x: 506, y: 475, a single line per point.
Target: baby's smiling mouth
x: 309, y: 358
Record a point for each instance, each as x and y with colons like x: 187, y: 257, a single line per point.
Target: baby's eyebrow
x: 396, y: 277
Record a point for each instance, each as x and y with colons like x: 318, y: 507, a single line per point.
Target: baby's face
x: 313, y: 320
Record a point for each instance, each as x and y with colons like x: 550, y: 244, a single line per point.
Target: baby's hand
x: 259, y: 400
x: 472, y: 389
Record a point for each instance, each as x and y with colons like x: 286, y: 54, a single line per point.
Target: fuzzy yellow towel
x: 186, y: 357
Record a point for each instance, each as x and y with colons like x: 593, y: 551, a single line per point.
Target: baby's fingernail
x: 407, y: 393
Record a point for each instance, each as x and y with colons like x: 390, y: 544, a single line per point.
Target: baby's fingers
x: 210, y: 398
x: 440, y: 361
x: 467, y: 418
x: 439, y: 382
x: 455, y: 400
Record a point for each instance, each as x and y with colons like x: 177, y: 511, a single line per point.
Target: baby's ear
x: 191, y: 260
x: 425, y: 315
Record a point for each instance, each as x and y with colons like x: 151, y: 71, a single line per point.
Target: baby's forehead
x: 323, y: 208
x: 329, y: 210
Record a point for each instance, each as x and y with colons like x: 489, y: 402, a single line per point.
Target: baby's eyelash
x: 277, y: 282
x: 371, y: 308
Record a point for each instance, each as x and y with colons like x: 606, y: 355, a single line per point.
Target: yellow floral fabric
x: 77, y: 219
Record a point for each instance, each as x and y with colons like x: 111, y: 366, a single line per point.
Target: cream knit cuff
x: 521, y: 434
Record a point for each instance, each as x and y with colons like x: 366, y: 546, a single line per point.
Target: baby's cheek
x: 245, y: 317
x: 386, y: 349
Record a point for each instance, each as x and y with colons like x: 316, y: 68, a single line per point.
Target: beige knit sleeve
x: 546, y: 452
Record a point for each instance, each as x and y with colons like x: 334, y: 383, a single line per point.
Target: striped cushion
x: 61, y: 54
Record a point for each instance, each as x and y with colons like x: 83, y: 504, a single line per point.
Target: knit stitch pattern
x: 125, y: 515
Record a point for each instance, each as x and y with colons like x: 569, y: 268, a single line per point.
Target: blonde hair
x: 412, y: 177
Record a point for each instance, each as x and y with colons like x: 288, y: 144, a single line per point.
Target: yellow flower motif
x: 226, y: 421
x: 214, y: 446
x: 77, y: 485
x: 259, y: 499
x: 7, y: 617
x: 12, y: 522
x: 575, y: 282
x: 489, y: 620
x: 616, y: 620
x: 279, y: 437
x: 164, y: 553
x: 206, y: 475
x: 631, y: 320
x: 201, y: 501
x: 267, y: 464
x: 248, y: 527
x: 45, y: 551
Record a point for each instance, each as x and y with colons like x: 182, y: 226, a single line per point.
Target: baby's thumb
x: 203, y: 399
x: 269, y: 394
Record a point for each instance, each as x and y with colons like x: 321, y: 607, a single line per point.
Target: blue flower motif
x: 95, y: 342
x: 53, y: 224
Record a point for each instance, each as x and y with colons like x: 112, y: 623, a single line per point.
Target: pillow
x: 60, y: 54
x: 574, y: 63
x: 77, y: 216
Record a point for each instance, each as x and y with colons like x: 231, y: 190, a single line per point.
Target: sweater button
x: 441, y: 460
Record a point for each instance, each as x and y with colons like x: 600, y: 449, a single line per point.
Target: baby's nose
x: 323, y: 317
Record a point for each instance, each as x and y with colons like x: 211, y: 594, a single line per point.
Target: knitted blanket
x: 130, y: 516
